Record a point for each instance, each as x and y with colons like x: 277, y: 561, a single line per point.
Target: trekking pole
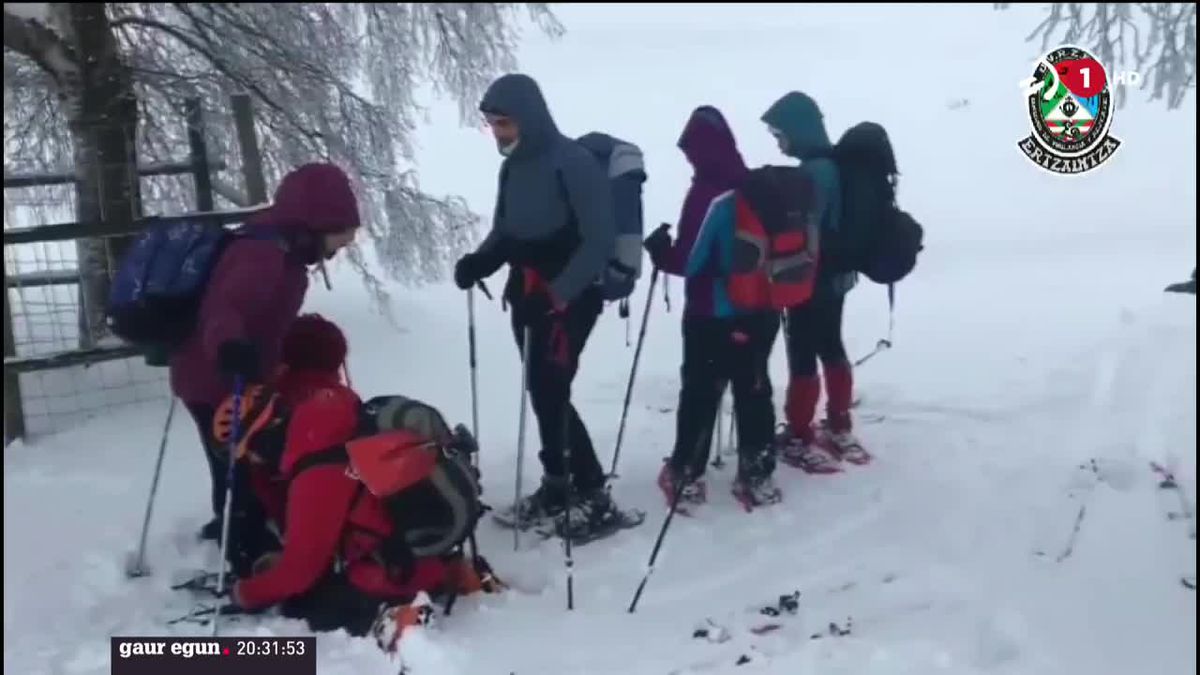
x: 521, y: 435
x: 569, y: 558
x: 680, y: 484
x: 637, y: 354
x: 662, y: 533
x: 234, y: 438
x: 137, y: 567
x: 474, y: 409
x: 473, y: 365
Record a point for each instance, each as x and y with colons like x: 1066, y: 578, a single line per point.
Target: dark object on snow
x: 1184, y: 286
x: 836, y: 630
x: 789, y: 603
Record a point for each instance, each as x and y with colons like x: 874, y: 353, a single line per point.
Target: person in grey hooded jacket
x: 555, y: 228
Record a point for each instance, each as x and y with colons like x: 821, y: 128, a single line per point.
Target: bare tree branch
x: 331, y: 81
x: 31, y: 39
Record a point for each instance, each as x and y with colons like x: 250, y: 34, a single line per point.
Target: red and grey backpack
x: 775, y: 240
x: 408, y: 457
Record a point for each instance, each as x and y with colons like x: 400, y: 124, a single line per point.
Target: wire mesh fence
x: 58, y: 360
x: 43, y: 298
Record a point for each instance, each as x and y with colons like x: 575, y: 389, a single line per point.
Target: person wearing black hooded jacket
x: 554, y: 226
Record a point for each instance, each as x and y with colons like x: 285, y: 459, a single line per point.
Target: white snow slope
x: 1033, y: 339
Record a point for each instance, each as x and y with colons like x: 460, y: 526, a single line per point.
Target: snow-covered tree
x: 1158, y: 40
x: 95, y: 84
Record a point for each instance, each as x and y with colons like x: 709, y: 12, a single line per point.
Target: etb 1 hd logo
x: 1070, y: 109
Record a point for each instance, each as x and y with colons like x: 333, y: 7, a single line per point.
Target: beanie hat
x: 313, y: 343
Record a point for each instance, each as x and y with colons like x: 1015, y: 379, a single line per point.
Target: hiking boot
x: 538, y: 509
x: 754, y: 485
x: 805, y: 454
x: 755, y: 491
x: 593, y: 515
x: 692, y: 493
x: 843, y: 445
x: 211, y: 531
x: 393, y: 620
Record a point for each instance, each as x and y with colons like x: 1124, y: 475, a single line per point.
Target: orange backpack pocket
x: 392, y: 461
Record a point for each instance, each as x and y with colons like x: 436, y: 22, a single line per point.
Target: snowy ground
x: 1033, y: 339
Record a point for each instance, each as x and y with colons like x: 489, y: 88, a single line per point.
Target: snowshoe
x: 204, y: 583
x: 844, y: 446
x: 752, y: 492
x: 536, y: 510
x: 592, y: 516
x: 394, y: 620
x: 202, y: 615
x: 805, y: 455
x: 693, y: 493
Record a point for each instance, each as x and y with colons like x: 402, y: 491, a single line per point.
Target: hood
x: 709, y: 146
x: 314, y: 198
x: 314, y: 343
x: 519, y: 97
x: 800, y: 120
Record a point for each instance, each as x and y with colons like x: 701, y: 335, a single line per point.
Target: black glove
x: 239, y: 358
x: 469, y: 270
x: 658, y: 244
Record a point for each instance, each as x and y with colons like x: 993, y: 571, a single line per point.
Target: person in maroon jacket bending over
x: 255, y: 293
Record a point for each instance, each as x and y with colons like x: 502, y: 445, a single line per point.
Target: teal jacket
x: 799, y: 121
x: 712, y: 254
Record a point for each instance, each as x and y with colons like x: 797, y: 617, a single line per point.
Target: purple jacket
x: 259, y: 283
x: 718, y: 167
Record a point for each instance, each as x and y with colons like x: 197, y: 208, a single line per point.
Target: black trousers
x: 202, y: 415
x: 554, y: 349
x: 814, y: 331
x: 334, y: 604
x: 717, y: 352
x: 248, y: 533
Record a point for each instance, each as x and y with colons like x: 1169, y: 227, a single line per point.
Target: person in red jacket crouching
x: 305, y: 442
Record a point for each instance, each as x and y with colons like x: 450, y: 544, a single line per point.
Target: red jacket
x: 259, y: 282
x: 293, y: 387
x: 322, y: 515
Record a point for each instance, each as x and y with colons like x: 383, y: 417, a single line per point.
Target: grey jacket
x: 554, y: 209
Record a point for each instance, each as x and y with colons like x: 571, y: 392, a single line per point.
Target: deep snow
x: 1033, y: 339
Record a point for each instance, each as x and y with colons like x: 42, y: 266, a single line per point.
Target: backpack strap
x: 335, y: 455
x: 885, y: 343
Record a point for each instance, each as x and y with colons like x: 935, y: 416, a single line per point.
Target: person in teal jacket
x: 814, y: 330
x: 733, y: 345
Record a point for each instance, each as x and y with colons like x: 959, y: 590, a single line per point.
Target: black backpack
x: 874, y: 237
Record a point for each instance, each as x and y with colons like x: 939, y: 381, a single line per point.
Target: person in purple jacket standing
x: 718, y: 348
x: 255, y: 293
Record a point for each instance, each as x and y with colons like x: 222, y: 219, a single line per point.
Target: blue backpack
x: 156, y: 292
x: 626, y: 171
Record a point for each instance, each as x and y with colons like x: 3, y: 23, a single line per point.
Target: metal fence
x: 54, y: 373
